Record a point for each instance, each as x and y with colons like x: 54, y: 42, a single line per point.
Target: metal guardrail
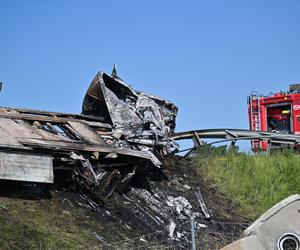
x: 237, y: 134
x: 233, y: 135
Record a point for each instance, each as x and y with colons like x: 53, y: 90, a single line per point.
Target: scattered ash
x: 164, y: 201
x: 158, y: 207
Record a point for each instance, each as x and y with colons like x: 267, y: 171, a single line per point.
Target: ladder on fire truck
x: 255, y: 122
x: 254, y: 106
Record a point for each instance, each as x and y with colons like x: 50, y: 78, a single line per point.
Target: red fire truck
x: 278, y: 113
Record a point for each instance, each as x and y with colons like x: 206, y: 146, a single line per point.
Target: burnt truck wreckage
x: 135, y: 117
x: 121, y: 133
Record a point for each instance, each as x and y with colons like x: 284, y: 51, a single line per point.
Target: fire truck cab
x: 278, y: 113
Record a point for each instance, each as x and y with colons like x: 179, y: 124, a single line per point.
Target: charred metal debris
x: 120, y: 134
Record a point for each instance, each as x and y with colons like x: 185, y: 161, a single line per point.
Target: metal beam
x: 237, y: 134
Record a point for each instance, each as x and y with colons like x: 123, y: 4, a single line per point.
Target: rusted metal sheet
x: 26, y: 167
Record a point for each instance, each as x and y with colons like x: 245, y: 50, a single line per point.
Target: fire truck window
x: 278, y: 119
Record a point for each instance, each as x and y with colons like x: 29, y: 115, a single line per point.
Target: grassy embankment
x: 254, y: 182
x: 37, y: 225
x: 54, y: 224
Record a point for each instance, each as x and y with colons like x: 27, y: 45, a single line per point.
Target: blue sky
x: 205, y: 56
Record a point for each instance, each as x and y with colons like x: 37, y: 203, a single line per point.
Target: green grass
x: 53, y: 224
x: 254, y: 182
x: 32, y: 225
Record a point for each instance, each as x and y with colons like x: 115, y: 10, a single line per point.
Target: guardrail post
x: 193, y: 233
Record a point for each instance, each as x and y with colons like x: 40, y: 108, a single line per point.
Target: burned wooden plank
x: 45, y: 119
x: 6, y: 139
x: 85, y: 132
x: 20, y: 148
x: 55, y: 114
x: 78, y: 146
x: 13, y: 131
x: 26, y: 167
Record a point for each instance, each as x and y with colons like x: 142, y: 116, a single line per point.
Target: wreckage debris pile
x: 165, y: 205
x: 157, y: 213
x: 118, y: 153
x: 139, y: 118
x: 120, y: 134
